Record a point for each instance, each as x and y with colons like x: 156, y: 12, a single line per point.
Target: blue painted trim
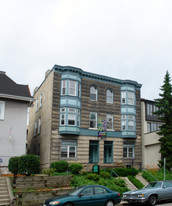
x: 93, y: 76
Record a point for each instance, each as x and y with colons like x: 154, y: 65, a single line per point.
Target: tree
x: 164, y: 113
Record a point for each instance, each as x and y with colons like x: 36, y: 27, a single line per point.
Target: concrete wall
x: 13, y: 130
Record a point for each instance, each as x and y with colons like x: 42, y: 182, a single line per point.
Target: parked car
x: 90, y: 195
x: 152, y: 193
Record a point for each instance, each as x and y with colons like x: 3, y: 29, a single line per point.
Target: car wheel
x: 109, y: 203
x: 67, y: 204
x: 152, y: 200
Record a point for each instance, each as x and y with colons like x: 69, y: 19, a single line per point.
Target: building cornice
x: 90, y: 75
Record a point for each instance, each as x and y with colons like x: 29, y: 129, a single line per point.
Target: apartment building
x: 150, y: 138
x: 86, y: 118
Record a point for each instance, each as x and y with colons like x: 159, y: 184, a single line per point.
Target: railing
x: 150, y: 174
x: 112, y: 171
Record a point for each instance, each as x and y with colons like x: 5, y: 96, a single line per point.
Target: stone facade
x: 79, y: 142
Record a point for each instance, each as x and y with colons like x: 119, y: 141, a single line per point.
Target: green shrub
x: 136, y: 182
x: 60, y: 166
x: 29, y: 164
x: 48, y: 171
x: 84, y: 173
x: 75, y: 168
x: 13, y: 165
x: 124, y: 172
x: 93, y: 176
x: 105, y: 174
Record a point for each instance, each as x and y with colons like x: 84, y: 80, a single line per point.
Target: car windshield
x: 154, y: 185
x: 75, y: 191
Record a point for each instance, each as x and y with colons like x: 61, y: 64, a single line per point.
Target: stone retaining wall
x: 40, y: 184
x: 35, y: 182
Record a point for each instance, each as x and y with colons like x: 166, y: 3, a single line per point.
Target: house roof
x: 12, y: 90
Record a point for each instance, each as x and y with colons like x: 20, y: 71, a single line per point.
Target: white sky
x: 125, y: 39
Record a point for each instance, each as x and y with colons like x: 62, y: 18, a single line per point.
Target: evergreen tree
x: 164, y: 113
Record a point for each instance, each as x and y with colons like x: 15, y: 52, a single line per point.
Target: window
x: 123, y: 122
x: 2, y: 110
x: 79, y: 89
x: 131, y: 98
x: 39, y: 126
x: 69, y: 116
x: 99, y: 190
x: 123, y: 97
x: 109, y: 120
x: 93, y: 93
x: 128, y: 151
x: 72, y: 88
x: 153, y: 127
x: 93, y: 120
x: 40, y: 101
x: 88, y: 191
x: 36, y: 128
x: 36, y: 104
x: 128, y: 122
x: 68, y: 149
x: 64, y: 87
x: 109, y: 96
x: 62, y: 116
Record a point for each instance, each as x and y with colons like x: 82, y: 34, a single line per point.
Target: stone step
x: 2, y: 197
x: 141, y: 179
x: 5, y: 202
x: 129, y: 184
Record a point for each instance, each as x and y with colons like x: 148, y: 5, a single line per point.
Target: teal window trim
x: 126, y: 99
x: 73, y: 113
x: 128, y: 121
x: 67, y: 90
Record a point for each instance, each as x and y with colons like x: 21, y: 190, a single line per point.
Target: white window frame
x: 66, y: 145
x: 129, y: 154
x: 72, y: 88
x: 123, y: 97
x: 2, y: 110
x: 64, y: 87
x: 36, y: 128
x: 39, y: 126
x: 93, y: 93
x: 109, y: 96
x: 36, y: 104
x: 40, y: 101
x: 109, y: 116
x: 93, y: 120
x: 131, y: 98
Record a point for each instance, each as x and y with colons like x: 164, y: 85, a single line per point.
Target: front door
x: 94, y: 152
x: 108, y: 154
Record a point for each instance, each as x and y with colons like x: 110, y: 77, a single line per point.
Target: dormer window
x: 93, y: 93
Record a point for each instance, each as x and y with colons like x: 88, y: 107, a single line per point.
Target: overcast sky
x: 125, y: 39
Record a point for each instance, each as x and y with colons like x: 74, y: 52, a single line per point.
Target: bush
x: 75, y: 168
x: 48, y: 171
x: 29, y: 164
x: 13, y: 165
x: 60, y: 166
x: 124, y: 172
x: 105, y: 174
x: 93, y: 176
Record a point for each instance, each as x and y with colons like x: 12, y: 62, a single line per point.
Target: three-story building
x: 86, y: 118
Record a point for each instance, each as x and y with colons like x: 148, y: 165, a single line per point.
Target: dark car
x: 90, y: 195
x: 152, y: 193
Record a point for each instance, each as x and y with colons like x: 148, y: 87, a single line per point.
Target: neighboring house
x: 150, y: 138
x: 14, y: 102
x: 71, y: 106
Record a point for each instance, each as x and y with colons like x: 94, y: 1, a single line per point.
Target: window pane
x: 109, y: 96
x: 109, y: 121
x: 93, y: 120
x: 131, y: 98
x: 93, y: 93
x: 71, y: 152
x: 71, y: 119
x: 64, y: 151
x: 124, y: 152
x: 72, y: 88
x: 63, y: 87
x: 123, y: 97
